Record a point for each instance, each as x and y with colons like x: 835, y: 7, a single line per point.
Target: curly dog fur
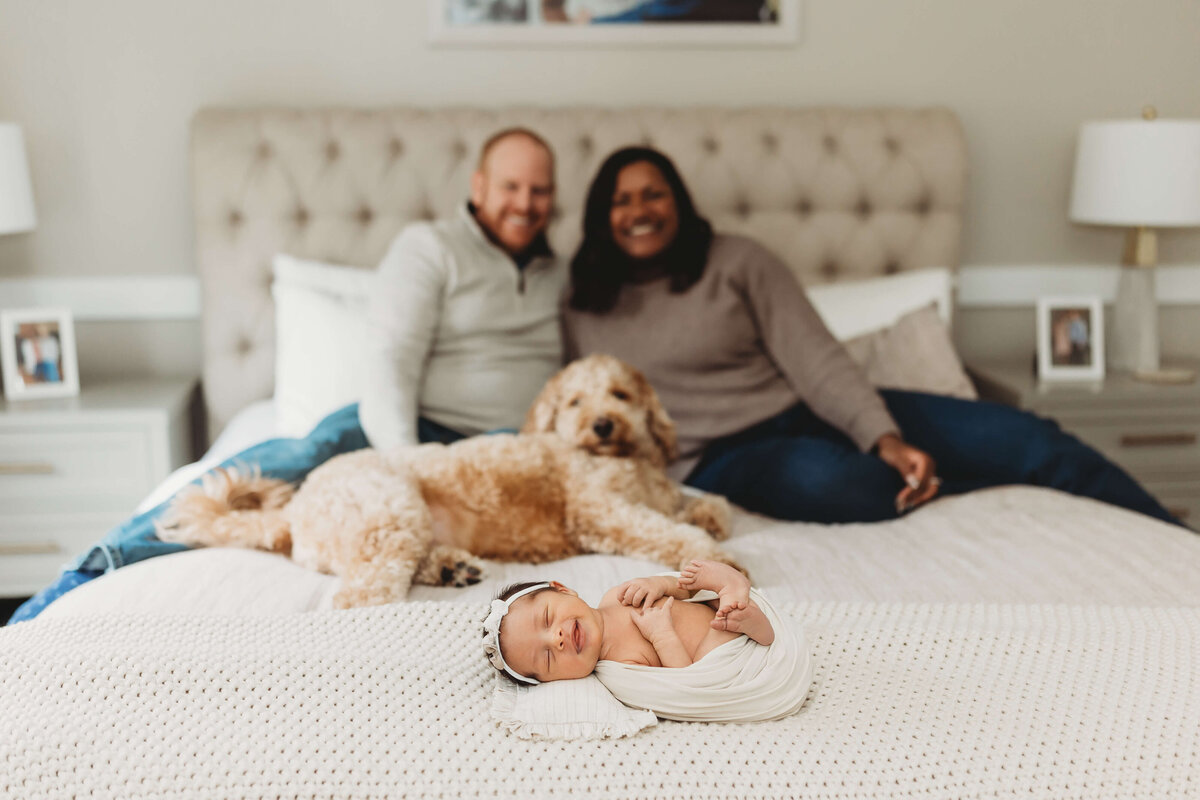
x: 585, y: 475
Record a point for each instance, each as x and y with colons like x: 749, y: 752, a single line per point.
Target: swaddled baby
x: 545, y: 632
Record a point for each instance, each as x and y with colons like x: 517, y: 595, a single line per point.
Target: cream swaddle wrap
x: 739, y: 681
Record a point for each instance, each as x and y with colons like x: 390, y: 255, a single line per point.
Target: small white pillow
x: 914, y: 354
x: 856, y: 307
x: 320, y: 339
x: 580, y: 709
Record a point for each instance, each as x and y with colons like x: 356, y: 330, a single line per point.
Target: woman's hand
x: 915, y: 466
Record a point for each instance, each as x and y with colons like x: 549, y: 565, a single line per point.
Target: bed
x: 1011, y: 642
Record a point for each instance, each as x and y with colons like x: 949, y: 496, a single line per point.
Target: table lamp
x: 1141, y: 174
x: 16, y: 192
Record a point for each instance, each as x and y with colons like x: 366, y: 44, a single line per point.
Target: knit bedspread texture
x: 930, y: 701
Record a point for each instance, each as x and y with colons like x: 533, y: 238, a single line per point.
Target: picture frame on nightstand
x: 1070, y: 338
x: 37, y: 353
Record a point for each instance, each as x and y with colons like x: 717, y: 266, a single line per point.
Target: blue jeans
x: 795, y: 466
x: 286, y: 459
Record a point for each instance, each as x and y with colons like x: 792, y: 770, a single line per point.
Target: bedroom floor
x: 8, y: 605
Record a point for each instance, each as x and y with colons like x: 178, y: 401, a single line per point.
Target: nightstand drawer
x: 34, y: 547
x: 1165, y: 447
x: 73, y: 469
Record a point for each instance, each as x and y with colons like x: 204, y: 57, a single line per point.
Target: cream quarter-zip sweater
x: 738, y: 347
x: 460, y: 335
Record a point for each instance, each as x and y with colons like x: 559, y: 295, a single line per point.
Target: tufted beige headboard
x: 838, y: 193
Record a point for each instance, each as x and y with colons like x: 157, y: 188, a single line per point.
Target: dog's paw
x: 461, y: 574
x: 450, y: 566
x: 711, y: 513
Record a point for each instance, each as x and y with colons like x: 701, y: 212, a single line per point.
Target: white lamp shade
x: 16, y: 191
x: 1138, y: 172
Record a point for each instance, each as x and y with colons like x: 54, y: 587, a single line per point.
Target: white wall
x: 105, y: 90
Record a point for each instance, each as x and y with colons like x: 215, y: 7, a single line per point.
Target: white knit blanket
x: 935, y: 701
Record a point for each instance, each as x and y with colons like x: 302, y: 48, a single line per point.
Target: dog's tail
x: 230, y: 507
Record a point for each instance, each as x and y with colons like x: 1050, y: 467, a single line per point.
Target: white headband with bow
x: 491, y: 632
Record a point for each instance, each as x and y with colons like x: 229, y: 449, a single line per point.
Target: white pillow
x: 320, y: 337
x: 858, y: 307
x: 580, y: 709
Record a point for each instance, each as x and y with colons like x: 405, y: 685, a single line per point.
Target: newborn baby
x: 545, y: 632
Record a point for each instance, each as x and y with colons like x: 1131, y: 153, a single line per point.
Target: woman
x: 770, y: 409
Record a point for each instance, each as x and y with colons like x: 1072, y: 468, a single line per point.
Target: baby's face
x: 552, y: 635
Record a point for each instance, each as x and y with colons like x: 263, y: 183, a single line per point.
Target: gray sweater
x: 738, y: 347
x: 458, y: 334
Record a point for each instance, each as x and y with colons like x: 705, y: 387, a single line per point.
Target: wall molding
x: 177, y: 297
x: 992, y: 286
x: 108, y: 298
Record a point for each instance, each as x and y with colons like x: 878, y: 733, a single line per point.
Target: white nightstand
x: 1151, y: 430
x: 72, y: 467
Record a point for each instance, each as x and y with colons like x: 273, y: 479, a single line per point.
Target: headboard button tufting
x: 891, y: 145
x: 235, y: 218
x: 742, y: 208
x: 332, y: 151
x: 829, y: 269
x: 243, y: 346
x: 863, y: 209
x: 770, y: 142
x: 396, y: 148
x: 804, y: 207
x: 459, y: 149
x: 710, y: 145
x: 830, y: 144
x: 264, y: 150
x: 891, y: 267
x: 301, y: 216
x: 924, y: 205
x: 365, y: 215
x: 586, y: 145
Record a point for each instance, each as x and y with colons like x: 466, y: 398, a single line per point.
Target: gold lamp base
x: 1141, y: 247
x: 1176, y: 375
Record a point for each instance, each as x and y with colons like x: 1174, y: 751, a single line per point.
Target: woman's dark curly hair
x: 600, y: 268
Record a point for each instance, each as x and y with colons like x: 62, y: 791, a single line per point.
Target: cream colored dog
x: 585, y: 475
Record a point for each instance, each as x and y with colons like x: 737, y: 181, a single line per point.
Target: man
x: 465, y: 323
x: 465, y: 320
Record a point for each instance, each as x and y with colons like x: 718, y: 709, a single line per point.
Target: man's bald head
x: 511, y: 133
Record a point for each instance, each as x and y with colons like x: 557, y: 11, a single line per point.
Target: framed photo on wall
x: 614, y: 22
x: 37, y: 353
x: 1070, y: 338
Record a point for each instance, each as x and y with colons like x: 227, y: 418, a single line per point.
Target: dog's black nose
x: 603, y: 427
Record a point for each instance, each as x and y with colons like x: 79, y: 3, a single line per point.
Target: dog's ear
x: 662, y: 429
x: 542, y: 413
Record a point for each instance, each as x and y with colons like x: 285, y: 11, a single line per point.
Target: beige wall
x: 105, y: 90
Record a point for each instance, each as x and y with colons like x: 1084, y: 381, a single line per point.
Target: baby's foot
x: 731, y: 586
x: 750, y: 621
x: 735, y: 612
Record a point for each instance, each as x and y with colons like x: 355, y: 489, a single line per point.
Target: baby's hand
x: 655, y: 621
x: 644, y: 591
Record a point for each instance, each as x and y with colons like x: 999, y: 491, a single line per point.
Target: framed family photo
x: 37, y: 353
x: 619, y: 22
x: 1070, y: 338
